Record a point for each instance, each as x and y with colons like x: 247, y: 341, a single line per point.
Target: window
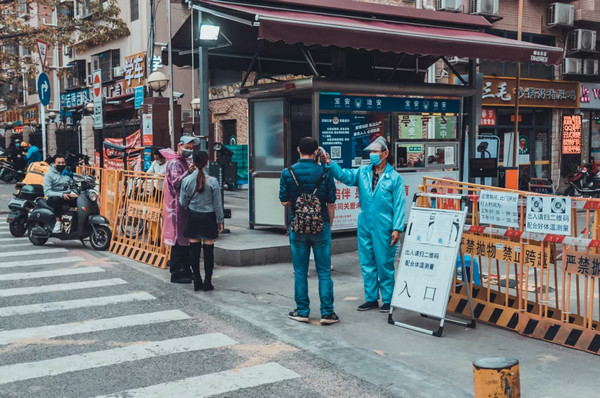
x: 106, y: 62
x: 76, y: 77
x: 135, y: 9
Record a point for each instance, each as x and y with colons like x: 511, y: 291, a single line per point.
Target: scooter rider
x: 56, y: 188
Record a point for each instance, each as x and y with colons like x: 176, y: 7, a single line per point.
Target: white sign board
x: 499, y: 208
x: 42, y: 47
x: 548, y: 215
x: 347, y: 207
x: 428, y: 260
x: 97, y: 98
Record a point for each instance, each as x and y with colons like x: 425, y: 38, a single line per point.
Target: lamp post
x: 195, y: 104
x: 209, y: 34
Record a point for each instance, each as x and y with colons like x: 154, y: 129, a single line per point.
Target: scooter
x: 583, y: 183
x: 20, y: 207
x: 82, y: 222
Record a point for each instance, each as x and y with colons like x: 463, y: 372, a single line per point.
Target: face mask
x: 187, y: 153
x: 375, y: 159
x: 60, y: 168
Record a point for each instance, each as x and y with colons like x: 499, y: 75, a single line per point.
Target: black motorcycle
x: 20, y: 207
x: 83, y: 221
x: 12, y: 171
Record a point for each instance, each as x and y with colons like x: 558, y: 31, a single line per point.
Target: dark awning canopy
x: 309, y: 28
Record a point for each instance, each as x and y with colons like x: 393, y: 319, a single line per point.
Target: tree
x: 22, y: 22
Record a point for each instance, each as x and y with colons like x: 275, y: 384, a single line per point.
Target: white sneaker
x: 57, y: 227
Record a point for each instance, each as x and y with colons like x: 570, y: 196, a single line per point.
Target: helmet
x: 24, y: 144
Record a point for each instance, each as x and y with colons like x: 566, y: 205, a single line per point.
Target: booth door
x: 267, y: 160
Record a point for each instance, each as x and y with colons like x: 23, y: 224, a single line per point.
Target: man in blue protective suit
x: 382, y: 197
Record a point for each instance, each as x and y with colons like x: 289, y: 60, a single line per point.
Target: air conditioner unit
x: 449, y: 5
x: 117, y: 72
x: 571, y: 66
x: 485, y: 7
x: 582, y: 40
x: 561, y: 14
x: 590, y: 66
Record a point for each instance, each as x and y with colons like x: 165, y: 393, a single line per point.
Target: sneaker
x: 297, y: 317
x: 385, y: 307
x: 57, y: 227
x: 368, y: 305
x: 329, y: 319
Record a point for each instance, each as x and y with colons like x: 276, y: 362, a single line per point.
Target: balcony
x: 587, y: 13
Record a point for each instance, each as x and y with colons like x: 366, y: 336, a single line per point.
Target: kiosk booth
x: 421, y: 122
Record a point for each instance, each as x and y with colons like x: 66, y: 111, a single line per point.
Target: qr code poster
x: 548, y: 215
x: 336, y: 152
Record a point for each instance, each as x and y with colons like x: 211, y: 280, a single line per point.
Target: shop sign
x: 501, y: 91
x: 18, y: 130
x: 30, y: 115
x: 488, y: 117
x: 571, y: 134
x: 114, y: 89
x: 135, y: 71
x: 73, y: 98
x: 13, y: 117
x: 582, y: 263
x: 334, y: 102
x: 590, y: 96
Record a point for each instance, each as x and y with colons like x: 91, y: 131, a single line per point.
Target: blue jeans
x: 321, y: 246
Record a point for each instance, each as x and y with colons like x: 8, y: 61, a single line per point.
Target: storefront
x: 540, y: 101
x: 589, y: 104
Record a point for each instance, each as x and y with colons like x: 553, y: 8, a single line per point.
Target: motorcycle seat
x: 42, y: 203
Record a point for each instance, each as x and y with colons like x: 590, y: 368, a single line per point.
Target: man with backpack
x: 308, y: 188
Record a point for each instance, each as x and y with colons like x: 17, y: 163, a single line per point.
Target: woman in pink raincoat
x: 178, y: 167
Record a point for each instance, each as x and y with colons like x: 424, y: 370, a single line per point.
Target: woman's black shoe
x: 198, y: 284
x: 208, y: 286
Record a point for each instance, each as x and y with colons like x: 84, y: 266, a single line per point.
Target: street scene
x: 292, y: 198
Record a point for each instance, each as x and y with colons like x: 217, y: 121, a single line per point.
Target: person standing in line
x: 177, y: 168
x: 308, y: 187
x: 381, y: 219
x: 201, y: 196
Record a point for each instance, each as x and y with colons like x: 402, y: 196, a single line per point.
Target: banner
x: 347, y: 207
x: 113, y: 160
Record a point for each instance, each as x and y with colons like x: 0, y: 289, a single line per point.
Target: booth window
x: 269, y: 132
x: 423, y: 127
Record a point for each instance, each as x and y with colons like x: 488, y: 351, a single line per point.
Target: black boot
x: 195, y: 248
x: 209, y: 264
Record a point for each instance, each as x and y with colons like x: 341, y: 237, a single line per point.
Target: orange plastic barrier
x: 541, y: 285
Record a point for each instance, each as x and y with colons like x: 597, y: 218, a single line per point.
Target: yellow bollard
x: 496, y: 378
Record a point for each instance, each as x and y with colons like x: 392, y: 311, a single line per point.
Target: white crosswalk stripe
x: 213, y: 384
x: 91, y: 360
x: 71, y: 304
x: 60, y: 287
x: 47, y: 274
x: 31, y: 251
x: 45, y: 261
x: 94, y: 325
x: 13, y: 239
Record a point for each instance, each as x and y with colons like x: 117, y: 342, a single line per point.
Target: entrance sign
x: 427, y: 260
x: 42, y: 47
x: 499, y: 208
x: 97, y: 97
x: 548, y: 215
x: 43, y: 86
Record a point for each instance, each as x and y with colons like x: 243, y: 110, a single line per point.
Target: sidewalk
x: 244, y: 246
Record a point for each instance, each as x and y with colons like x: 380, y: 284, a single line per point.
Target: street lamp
x: 157, y: 81
x: 52, y: 116
x: 89, y: 107
x: 209, y: 32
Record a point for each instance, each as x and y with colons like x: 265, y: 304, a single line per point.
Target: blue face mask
x: 375, y: 159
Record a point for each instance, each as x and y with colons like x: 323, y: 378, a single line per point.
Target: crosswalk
x: 63, y: 321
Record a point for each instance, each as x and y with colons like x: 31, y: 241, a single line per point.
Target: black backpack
x: 308, y: 210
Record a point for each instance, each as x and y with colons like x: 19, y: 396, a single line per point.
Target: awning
x: 309, y: 28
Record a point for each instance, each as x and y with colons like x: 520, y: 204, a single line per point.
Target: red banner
x: 113, y: 160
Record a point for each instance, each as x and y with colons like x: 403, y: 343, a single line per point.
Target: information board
x: 499, y: 208
x: 427, y: 260
x: 548, y: 215
x: 347, y: 207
